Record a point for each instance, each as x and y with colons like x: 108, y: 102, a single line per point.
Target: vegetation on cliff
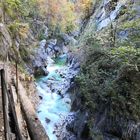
x: 109, y: 80
x: 27, y: 21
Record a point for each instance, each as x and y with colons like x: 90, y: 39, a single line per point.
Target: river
x: 53, y: 108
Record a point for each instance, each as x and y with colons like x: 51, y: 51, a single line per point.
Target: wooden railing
x: 8, y: 103
x: 34, y: 127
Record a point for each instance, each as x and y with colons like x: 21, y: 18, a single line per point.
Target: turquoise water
x: 52, y: 106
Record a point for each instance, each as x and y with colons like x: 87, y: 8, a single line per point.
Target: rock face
x: 108, y: 12
x: 103, y: 93
x: 70, y: 38
x: 55, y: 99
x: 49, y: 50
x: 100, y: 113
x: 5, y: 40
x: 40, y: 60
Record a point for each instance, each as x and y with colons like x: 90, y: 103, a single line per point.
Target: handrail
x: 7, y: 97
x: 34, y: 128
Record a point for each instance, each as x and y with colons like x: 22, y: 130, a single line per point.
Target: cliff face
x: 5, y: 40
x: 107, y: 89
x: 19, y: 34
x: 17, y: 44
x: 106, y: 95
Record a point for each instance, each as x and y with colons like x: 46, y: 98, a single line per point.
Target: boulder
x: 47, y: 120
x: 38, y: 71
x: 42, y: 43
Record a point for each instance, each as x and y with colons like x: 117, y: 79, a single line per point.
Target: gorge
x: 79, y: 64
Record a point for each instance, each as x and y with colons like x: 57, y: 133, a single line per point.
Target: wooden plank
x: 36, y: 130
x: 12, y: 105
x: 5, y: 107
x: 8, y: 97
x: 20, y: 119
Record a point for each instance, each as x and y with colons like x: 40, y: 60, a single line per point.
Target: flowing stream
x: 53, y: 108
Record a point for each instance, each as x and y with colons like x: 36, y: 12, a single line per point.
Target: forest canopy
x: 62, y: 14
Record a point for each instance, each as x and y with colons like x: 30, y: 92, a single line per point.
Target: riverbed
x: 55, y: 103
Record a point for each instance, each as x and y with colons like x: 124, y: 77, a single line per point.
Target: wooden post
x: 17, y: 81
x: 12, y: 105
x: 6, y: 96
x: 5, y: 106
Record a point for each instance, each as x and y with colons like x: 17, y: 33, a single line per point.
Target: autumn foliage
x: 64, y: 14
x: 82, y: 7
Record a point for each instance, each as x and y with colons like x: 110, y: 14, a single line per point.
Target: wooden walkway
x: 1, y: 118
x: 25, y: 124
x: 1, y: 110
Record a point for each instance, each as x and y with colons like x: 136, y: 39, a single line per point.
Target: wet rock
x: 47, y: 120
x: 63, y: 56
x: 40, y: 97
x: 57, y: 48
x: 53, y: 90
x: 51, y: 78
x: 52, y: 42
x: 59, y: 92
x: 49, y: 60
x: 67, y: 100
x: 62, y: 75
x: 38, y: 71
x: 76, y: 66
x: 42, y: 43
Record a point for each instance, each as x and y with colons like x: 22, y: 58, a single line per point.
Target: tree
x: 83, y: 7
x: 58, y: 13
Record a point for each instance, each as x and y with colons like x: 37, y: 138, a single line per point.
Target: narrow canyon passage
x: 54, y: 106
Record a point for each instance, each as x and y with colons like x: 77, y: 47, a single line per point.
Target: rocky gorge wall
x: 16, y: 44
x: 106, y: 92
x: 105, y: 98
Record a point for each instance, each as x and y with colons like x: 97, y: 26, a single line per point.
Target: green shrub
x: 110, y: 78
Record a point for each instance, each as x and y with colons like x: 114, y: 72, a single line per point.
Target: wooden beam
x: 34, y: 126
x: 5, y: 107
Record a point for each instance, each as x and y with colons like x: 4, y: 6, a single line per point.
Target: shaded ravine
x: 55, y: 104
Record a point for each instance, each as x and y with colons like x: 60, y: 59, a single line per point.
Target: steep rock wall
x: 108, y: 81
